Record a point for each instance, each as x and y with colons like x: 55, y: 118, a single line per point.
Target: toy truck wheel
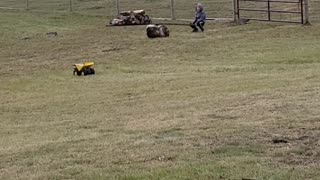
x: 77, y: 72
x: 92, y: 71
x: 88, y: 71
x: 85, y: 72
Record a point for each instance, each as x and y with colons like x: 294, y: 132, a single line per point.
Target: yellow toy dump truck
x: 86, y: 68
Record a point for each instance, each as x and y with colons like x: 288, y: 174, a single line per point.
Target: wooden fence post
x: 70, y: 5
x: 234, y: 4
x: 118, y: 8
x: 306, y: 12
x: 173, y: 16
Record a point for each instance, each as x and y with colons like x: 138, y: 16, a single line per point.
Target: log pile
x: 137, y: 17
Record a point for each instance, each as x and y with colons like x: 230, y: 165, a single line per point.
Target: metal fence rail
x: 301, y: 4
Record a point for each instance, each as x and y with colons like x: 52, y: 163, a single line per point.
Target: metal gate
x: 269, y: 10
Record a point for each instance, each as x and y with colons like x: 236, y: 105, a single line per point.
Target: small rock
x: 52, y: 33
x: 26, y: 38
x: 243, y: 21
x: 161, y: 158
x: 277, y: 141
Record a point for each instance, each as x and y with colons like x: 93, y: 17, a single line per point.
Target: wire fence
x: 90, y: 7
x: 179, y: 9
x: 182, y: 9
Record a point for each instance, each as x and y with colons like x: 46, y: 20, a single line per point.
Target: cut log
x: 117, y: 22
x: 142, y: 12
x: 127, y: 13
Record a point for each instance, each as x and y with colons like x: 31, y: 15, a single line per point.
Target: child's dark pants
x: 200, y: 24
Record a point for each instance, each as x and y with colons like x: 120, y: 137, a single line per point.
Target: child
x: 200, y: 18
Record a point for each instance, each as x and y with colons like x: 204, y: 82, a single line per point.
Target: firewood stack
x: 137, y: 17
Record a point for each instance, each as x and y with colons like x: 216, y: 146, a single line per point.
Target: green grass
x: 191, y: 106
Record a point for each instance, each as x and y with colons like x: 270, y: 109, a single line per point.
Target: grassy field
x: 192, y: 106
